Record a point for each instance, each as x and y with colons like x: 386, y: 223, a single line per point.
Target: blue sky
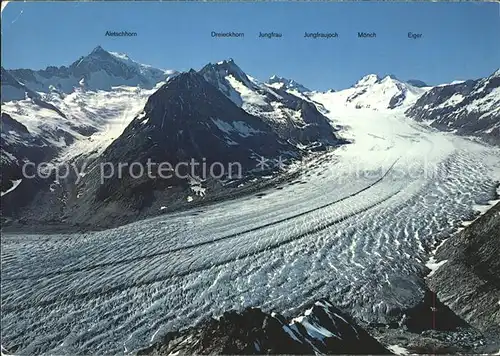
x: 460, y: 40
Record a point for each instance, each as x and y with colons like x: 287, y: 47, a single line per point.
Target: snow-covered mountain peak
x: 143, y: 68
x: 226, y: 62
x: 118, y: 64
x: 496, y: 73
x: 98, y: 70
x: 289, y: 112
x: 226, y: 75
x: 286, y: 84
x: 375, y: 92
x: 367, y: 80
x: 99, y: 51
x: 99, y: 54
x: 228, y: 66
x: 390, y: 78
x: 216, y: 73
x: 97, y: 58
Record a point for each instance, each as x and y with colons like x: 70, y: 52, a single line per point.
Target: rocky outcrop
x: 18, y: 145
x: 286, y: 84
x: 12, y: 89
x: 279, y: 103
x: 469, y: 108
x: 188, y: 119
x: 469, y: 281
x: 430, y: 327
x: 417, y: 83
x: 322, y: 329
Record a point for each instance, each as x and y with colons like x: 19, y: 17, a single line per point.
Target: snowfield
x: 106, y: 113
x: 357, y: 228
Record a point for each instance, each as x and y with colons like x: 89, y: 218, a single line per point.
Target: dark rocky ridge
x: 417, y: 83
x: 16, y: 147
x: 195, y: 121
x: 288, y: 84
x: 322, y: 329
x: 190, y: 119
x: 398, y: 99
x: 456, y: 116
x: 12, y: 89
x: 314, y: 128
x: 469, y: 282
x: 186, y: 119
x: 215, y: 74
x: 430, y: 327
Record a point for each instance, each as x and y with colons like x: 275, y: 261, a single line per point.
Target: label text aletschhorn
x: 121, y: 33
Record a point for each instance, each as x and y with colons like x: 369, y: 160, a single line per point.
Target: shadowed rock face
x: 12, y: 89
x: 287, y: 84
x: 468, y: 108
x: 191, y: 118
x: 17, y: 146
x: 469, y: 282
x: 322, y: 329
x: 289, y: 115
x: 417, y: 83
x: 188, y: 119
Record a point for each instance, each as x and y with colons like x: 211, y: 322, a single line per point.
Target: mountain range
x: 105, y: 107
x: 468, y: 108
x: 99, y: 70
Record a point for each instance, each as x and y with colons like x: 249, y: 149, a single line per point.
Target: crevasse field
x: 357, y: 227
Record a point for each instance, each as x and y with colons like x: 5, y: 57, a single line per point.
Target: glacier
x: 357, y: 227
